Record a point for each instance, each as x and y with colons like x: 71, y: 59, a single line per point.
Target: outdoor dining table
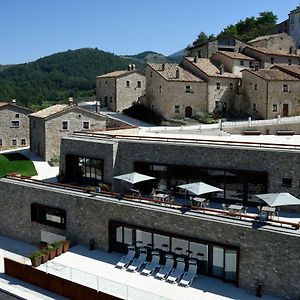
x: 270, y: 210
x: 201, y: 201
x: 161, y: 196
x: 235, y: 208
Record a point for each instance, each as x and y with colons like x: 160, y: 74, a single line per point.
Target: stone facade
x: 268, y: 57
x: 123, y: 154
x: 267, y: 97
x: 46, y: 132
x: 261, y: 249
x: 118, y: 90
x: 174, y: 97
x: 281, y: 41
x: 14, y: 126
x: 207, y: 49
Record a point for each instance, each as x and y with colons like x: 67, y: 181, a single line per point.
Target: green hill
x: 150, y: 57
x: 56, y: 77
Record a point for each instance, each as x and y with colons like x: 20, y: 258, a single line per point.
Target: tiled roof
x: 267, y: 37
x: 289, y: 68
x: 273, y: 74
x: 3, y: 103
x: 209, y: 69
x: 116, y: 74
x: 236, y: 55
x: 271, y: 51
x: 44, y: 113
x: 169, y: 72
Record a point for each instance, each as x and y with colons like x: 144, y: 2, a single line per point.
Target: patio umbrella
x: 279, y: 199
x: 133, y: 177
x: 199, y: 188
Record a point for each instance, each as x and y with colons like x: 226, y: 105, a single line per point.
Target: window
x: 188, y: 89
x: 231, y: 85
x: 199, y: 53
x: 254, y: 107
x: 274, y: 107
x: 1, y: 144
x: 287, y: 182
x: 23, y: 142
x: 90, y: 170
x: 176, y: 109
x: 17, y: 116
x: 218, y: 85
x: 139, y: 84
x: 217, y: 104
x: 105, y: 82
x: 65, y: 125
x: 159, y: 89
x: 110, y: 99
x: 272, y: 60
x: 48, y: 215
x: 14, y: 142
x: 15, y: 124
x: 86, y: 125
x: 151, y: 74
x: 289, y: 61
x: 285, y: 88
x: 255, y: 87
x: 241, y: 62
x: 127, y: 83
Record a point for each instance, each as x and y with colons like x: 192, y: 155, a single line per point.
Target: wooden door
x: 285, y: 110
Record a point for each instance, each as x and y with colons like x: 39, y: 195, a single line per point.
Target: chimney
x: 70, y: 101
x: 133, y: 67
x: 221, y: 69
x: 14, y: 101
x: 256, y: 67
x: 129, y: 68
x: 163, y: 66
x: 196, y: 59
x: 177, y: 73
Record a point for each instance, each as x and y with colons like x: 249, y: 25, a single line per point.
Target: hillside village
x: 118, y: 210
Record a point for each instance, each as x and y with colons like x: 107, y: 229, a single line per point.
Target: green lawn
x: 16, y: 163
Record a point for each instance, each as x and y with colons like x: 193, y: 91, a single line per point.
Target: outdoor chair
x: 263, y: 216
x: 189, y: 276
x: 126, y: 259
x: 177, y: 272
x: 165, y: 270
x: 138, y: 262
x: 152, y: 265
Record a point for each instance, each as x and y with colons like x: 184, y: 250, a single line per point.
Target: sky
x: 30, y: 29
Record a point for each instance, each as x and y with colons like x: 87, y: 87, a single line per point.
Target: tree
x: 202, y: 37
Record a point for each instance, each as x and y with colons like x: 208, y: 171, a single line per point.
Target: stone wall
x: 267, y: 256
x: 37, y: 136
x: 277, y: 163
x: 8, y: 132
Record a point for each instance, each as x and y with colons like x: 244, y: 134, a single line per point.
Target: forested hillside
x: 56, y: 77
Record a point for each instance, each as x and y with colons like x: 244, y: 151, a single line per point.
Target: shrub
x: 35, y: 254
x: 205, y: 118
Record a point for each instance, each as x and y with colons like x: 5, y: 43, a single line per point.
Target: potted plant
x: 66, y: 246
x: 36, y: 258
x: 45, y: 255
x: 59, y: 247
x: 51, y: 250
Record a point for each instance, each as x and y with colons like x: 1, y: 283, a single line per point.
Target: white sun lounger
x: 178, y: 271
x: 126, y: 259
x: 152, y: 265
x: 138, y: 262
x: 165, y: 270
x: 190, y: 275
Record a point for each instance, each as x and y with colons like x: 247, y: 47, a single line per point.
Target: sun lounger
x: 190, y: 275
x: 126, y: 259
x: 165, y: 270
x: 152, y: 265
x: 138, y: 262
x: 177, y: 272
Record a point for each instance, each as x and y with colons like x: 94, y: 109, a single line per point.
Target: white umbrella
x: 133, y: 177
x: 279, y: 199
x: 199, y: 188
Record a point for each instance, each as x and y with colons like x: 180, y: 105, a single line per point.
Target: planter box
x: 36, y: 261
x: 52, y: 254
x: 66, y: 246
x: 59, y: 251
x: 45, y: 257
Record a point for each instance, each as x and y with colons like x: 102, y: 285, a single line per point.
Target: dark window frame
x: 287, y: 182
x: 39, y: 211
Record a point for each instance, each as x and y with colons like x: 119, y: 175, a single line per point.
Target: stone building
x: 234, y: 62
x: 174, y: 92
x: 222, y: 86
x: 118, y: 90
x: 49, y: 125
x: 14, y: 125
x: 269, y: 57
x: 269, y: 93
x: 207, y: 49
x: 281, y: 41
